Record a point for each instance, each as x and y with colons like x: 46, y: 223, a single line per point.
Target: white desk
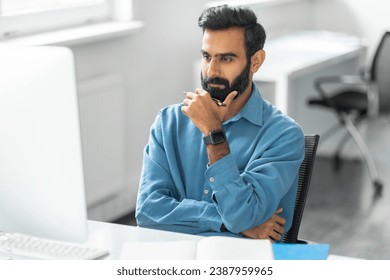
x: 113, y: 236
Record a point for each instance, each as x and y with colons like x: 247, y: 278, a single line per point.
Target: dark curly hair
x: 224, y: 17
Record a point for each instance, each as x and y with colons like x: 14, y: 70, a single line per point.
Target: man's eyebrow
x: 227, y: 54
x: 221, y: 54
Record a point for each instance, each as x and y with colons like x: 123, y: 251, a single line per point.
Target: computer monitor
x: 41, y: 172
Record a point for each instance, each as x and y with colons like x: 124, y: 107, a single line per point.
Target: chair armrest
x: 343, y: 79
x: 372, y: 95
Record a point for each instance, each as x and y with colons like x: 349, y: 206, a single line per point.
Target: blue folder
x: 284, y: 251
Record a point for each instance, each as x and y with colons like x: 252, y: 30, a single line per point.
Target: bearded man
x: 225, y: 161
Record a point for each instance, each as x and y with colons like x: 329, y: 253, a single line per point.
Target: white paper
x: 209, y: 248
x: 170, y: 250
x: 230, y: 248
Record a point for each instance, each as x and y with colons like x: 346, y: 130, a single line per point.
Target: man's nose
x: 213, y: 69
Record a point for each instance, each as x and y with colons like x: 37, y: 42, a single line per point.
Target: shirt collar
x: 252, y: 110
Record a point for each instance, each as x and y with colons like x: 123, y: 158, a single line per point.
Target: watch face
x: 218, y: 137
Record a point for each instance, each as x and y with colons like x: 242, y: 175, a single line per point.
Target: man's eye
x: 206, y: 57
x: 226, y: 59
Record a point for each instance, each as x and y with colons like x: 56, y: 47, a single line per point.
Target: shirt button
x: 206, y: 191
x: 211, y: 179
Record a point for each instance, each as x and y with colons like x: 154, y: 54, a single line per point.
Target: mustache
x: 216, y: 80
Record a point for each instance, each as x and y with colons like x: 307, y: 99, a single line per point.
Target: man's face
x: 225, y: 67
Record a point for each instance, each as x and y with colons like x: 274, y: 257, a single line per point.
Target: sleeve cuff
x: 222, y: 172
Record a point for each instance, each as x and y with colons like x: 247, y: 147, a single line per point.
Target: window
x: 24, y: 17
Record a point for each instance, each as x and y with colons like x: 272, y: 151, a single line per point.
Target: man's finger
x: 275, y: 236
x: 281, y: 221
x: 279, y: 210
x: 230, y: 97
x: 186, y: 102
x: 279, y: 229
x: 201, y: 91
x: 189, y: 95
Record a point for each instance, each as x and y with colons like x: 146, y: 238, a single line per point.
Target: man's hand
x: 272, y: 229
x: 204, y: 112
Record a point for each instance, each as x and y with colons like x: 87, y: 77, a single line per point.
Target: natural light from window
x: 15, y: 7
x: 22, y: 18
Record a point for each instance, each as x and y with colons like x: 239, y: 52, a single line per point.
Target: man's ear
x: 257, y: 60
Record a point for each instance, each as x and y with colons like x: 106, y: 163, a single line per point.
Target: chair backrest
x: 305, y: 171
x: 380, y: 73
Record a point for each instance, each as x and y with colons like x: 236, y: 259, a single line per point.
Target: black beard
x: 240, y: 84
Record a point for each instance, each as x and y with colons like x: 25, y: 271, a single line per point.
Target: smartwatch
x: 215, y: 137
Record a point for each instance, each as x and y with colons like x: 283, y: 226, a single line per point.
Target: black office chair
x: 305, y: 171
x: 360, y: 98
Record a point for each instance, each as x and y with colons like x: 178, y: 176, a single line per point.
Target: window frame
x: 17, y: 25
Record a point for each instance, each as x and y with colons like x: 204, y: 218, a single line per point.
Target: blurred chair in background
x: 305, y: 171
x: 357, y: 98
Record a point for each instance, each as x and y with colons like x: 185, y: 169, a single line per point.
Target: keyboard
x: 39, y: 248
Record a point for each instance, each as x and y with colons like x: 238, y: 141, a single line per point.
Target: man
x: 225, y: 161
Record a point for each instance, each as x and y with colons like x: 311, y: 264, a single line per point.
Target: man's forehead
x: 230, y: 40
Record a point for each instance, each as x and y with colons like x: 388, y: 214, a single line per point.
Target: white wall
x: 283, y: 17
x: 157, y: 65
x: 368, y: 19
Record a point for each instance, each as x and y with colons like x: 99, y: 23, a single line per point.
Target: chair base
x: 361, y: 145
x: 348, y: 121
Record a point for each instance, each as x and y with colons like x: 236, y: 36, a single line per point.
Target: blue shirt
x: 180, y: 192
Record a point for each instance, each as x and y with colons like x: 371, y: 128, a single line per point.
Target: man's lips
x: 216, y: 86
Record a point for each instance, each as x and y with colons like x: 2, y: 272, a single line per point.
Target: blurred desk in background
x: 293, y: 61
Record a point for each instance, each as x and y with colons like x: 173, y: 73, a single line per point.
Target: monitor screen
x: 41, y: 173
